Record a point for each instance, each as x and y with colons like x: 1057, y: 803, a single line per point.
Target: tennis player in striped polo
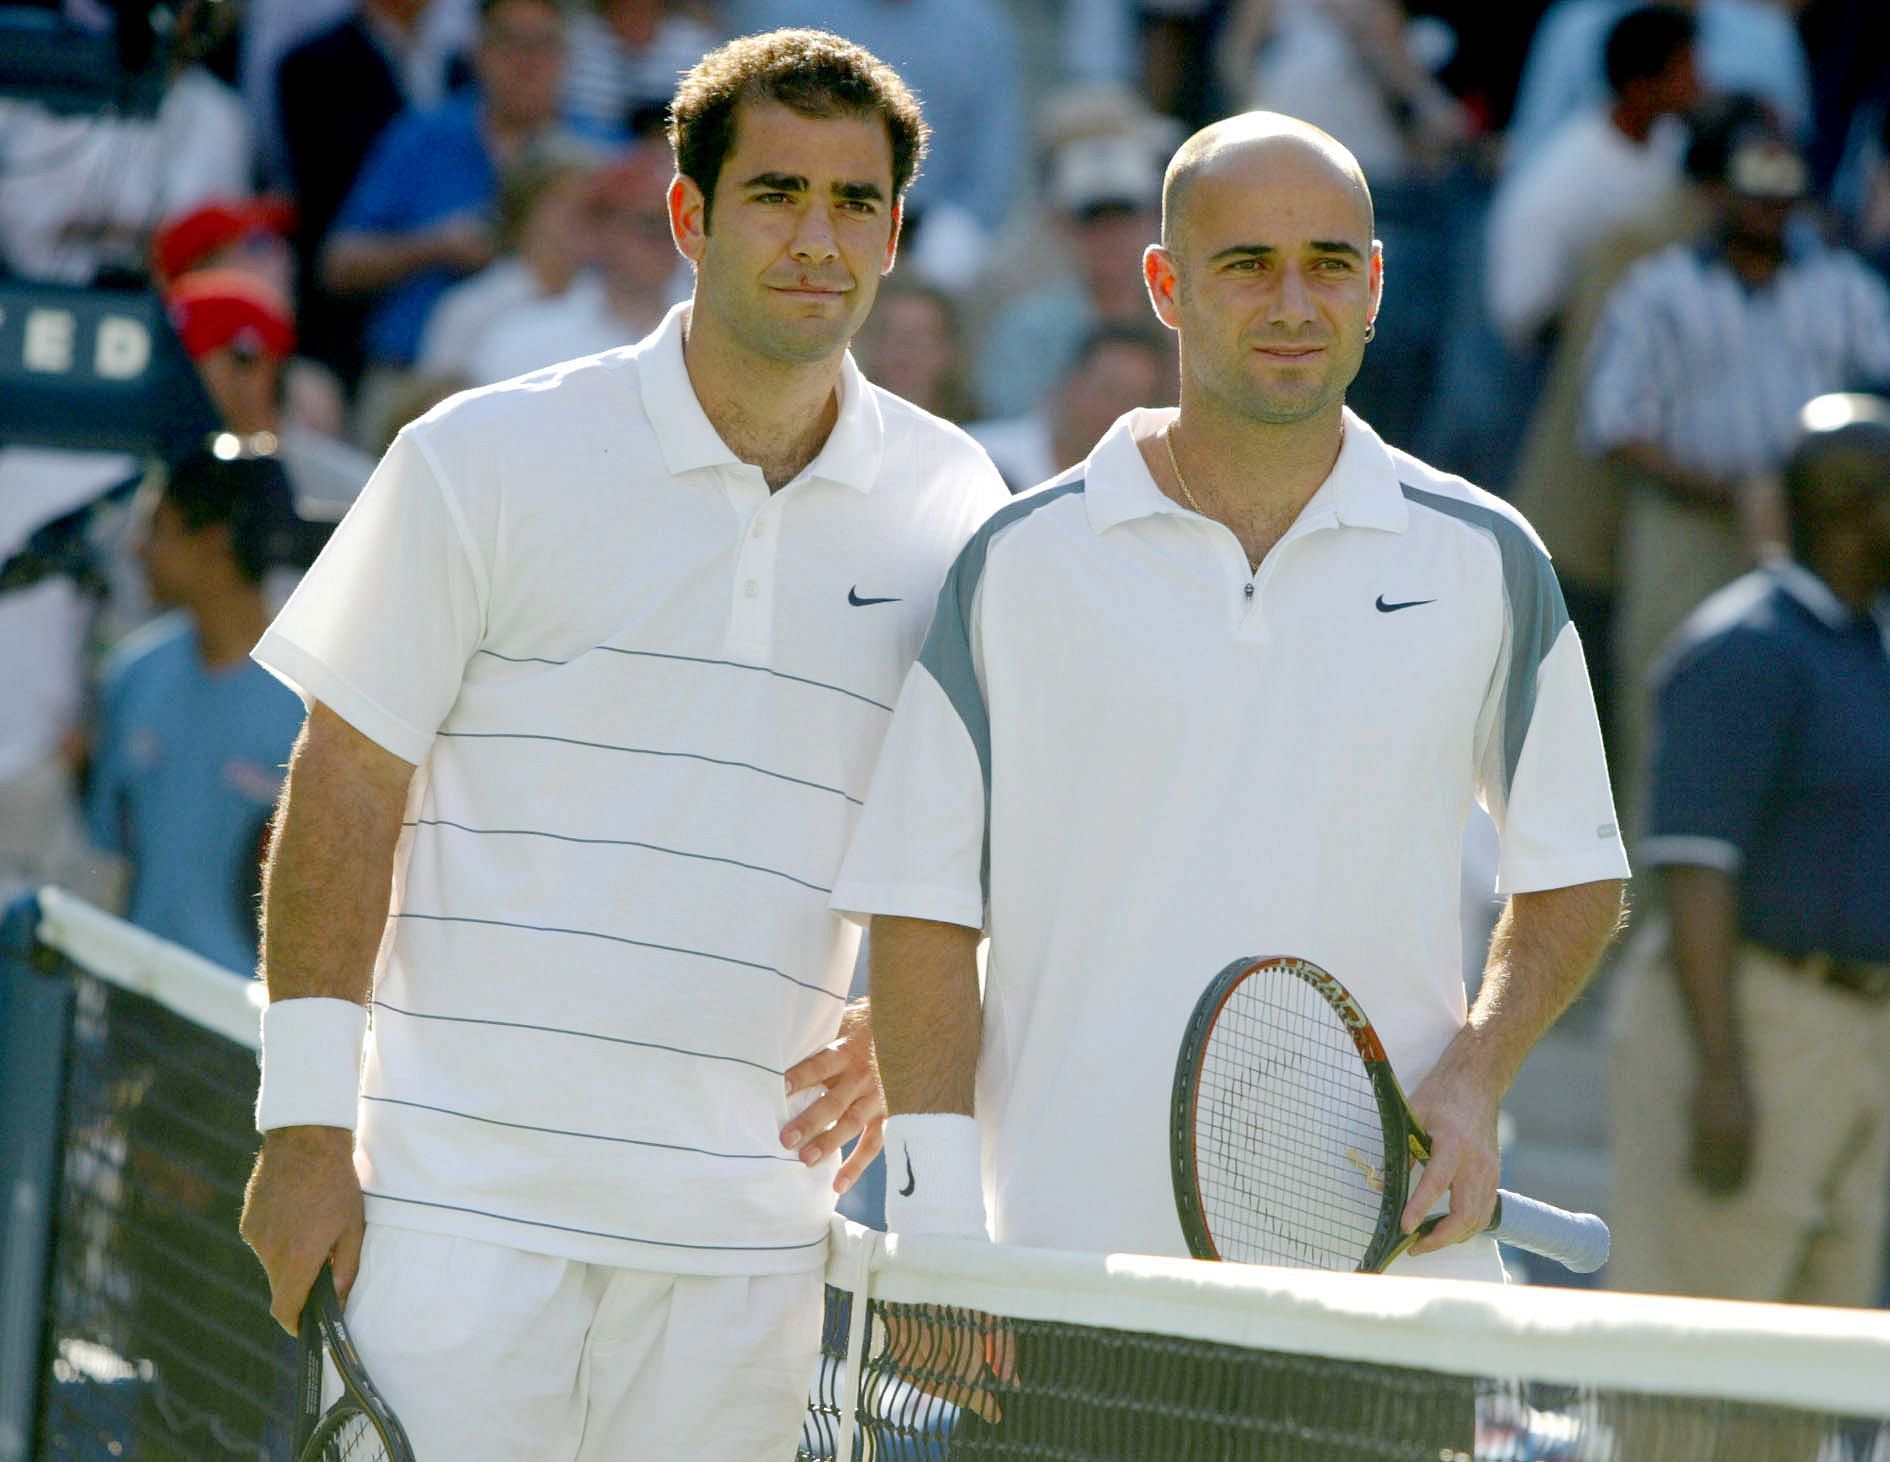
x: 597, y: 672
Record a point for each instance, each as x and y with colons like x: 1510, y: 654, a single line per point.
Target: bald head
x: 1840, y: 463
x: 1251, y: 149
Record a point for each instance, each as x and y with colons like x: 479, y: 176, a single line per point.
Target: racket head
x: 1289, y: 1139
x: 360, y: 1426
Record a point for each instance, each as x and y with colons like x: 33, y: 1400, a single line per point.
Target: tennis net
x: 155, y: 1339
x: 150, y: 1336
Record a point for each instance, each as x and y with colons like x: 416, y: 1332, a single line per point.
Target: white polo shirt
x: 1133, y: 760
x: 645, y: 697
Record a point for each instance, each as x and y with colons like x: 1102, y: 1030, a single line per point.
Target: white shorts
x: 486, y: 1352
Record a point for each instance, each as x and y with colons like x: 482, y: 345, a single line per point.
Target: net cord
x: 1807, y: 1356
x: 126, y: 956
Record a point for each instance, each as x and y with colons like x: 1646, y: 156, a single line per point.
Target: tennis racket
x: 360, y: 1427
x: 1291, y: 1141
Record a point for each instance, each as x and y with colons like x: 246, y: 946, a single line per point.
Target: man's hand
x: 963, y: 1357
x: 1723, y: 1124
x: 1458, y: 1107
x: 303, y: 1207
x: 850, y: 1103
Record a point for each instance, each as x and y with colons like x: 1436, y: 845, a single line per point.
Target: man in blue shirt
x: 1751, y: 1065
x: 420, y: 213
x: 1744, y: 46
x: 193, y: 735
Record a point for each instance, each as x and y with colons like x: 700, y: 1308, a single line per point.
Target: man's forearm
x: 363, y: 263
x: 1683, y: 484
x: 1544, y: 949
x: 927, y: 1021
x: 1703, y: 912
x: 331, y: 863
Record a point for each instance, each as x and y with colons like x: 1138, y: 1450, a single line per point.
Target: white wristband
x: 933, y: 1182
x: 311, y: 1063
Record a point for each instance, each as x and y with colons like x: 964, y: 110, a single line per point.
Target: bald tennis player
x: 1229, y: 687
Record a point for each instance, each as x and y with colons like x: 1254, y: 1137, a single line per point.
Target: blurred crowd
x: 1625, y: 244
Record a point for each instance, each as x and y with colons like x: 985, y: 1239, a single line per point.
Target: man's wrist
x: 934, y: 1183
x: 311, y: 1063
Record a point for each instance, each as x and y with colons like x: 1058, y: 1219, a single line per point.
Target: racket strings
x: 354, y: 1440
x: 1289, y: 1141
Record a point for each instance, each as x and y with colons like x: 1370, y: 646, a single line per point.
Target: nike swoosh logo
x: 1384, y: 608
x: 911, y: 1182
x: 853, y: 598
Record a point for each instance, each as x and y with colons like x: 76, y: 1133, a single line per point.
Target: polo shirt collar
x: 688, y: 440
x: 1810, y: 591
x: 1361, y: 491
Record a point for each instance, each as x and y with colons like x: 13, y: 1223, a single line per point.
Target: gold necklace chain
x: 1168, y: 440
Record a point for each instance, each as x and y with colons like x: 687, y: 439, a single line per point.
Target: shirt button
x: 760, y: 529
x: 1248, y: 591
x: 751, y: 589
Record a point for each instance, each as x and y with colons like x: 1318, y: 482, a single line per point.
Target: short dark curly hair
x: 813, y: 72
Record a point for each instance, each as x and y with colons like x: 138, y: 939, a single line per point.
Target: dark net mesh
x: 944, y: 1383
x: 159, y: 1341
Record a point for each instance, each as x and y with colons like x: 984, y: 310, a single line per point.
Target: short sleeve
x: 1723, y: 720
x: 381, y: 627
x: 1556, y: 815
x: 378, y: 201
x: 919, y: 847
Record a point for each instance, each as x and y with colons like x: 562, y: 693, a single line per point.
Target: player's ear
x: 1164, y: 287
x: 688, y: 216
x: 1375, y: 276
x: 892, y: 242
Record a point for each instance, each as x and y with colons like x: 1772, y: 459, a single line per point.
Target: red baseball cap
x: 185, y: 240
x: 214, y: 309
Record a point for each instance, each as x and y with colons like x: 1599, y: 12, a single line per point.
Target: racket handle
x: 1577, y: 1241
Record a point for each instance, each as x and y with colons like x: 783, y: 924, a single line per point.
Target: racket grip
x: 1577, y: 1241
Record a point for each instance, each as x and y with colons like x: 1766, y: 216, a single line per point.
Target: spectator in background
x: 1600, y: 171
x: 633, y: 280
x: 1577, y: 502
x: 80, y: 194
x: 427, y: 59
x: 251, y: 235
x: 547, y: 224
x: 1116, y: 369
x: 913, y: 345
x: 1750, y: 1062
x: 420, y: 215
x: 1346, y: 67
x: 1106, y: 192
x: 45, y: 632
x: 192, y: 735
x: 384, y: 58
x: 962, y: 57
x: 625, y: 58
x: 1703, y: 357
x: 1744, y: 46
x: 241, y: 334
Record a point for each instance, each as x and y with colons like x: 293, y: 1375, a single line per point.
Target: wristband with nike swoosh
x: 933, y: 1175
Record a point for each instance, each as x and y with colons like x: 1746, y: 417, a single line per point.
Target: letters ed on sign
x: 50, y: 344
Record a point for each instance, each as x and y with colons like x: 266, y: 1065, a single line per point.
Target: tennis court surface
x: 133, y: 1322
